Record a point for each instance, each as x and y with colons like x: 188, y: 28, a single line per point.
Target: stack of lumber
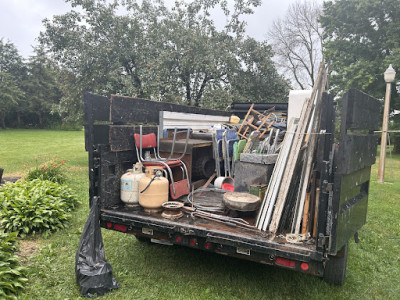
x: 287, y: 199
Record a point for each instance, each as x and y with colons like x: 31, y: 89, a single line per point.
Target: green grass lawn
x: 147, y: 271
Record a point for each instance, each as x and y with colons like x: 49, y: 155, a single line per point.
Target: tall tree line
x: 361, y: 39
x: 357, y: 38
x: 166, y: 54
x: 28, y: 90
x: 144, y: 49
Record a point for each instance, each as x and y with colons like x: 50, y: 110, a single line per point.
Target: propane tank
x: 153, y: 188
x: 130, y: 185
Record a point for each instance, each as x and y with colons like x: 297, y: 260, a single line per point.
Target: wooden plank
x: 317, y: 193
x: 282, y: 163
x: 257, y: 158
x: 309, y: 161
x: 165, y: 145
x: 314, y: 184
x: 304, y: 228
x: 360, y: 111
x: 268, y: 203
x: 135, y: 110
x: 356, y: 152
x: 297, y: 144
x: 243, y: 135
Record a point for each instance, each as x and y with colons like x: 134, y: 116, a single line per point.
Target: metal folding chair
x: 150, y: 142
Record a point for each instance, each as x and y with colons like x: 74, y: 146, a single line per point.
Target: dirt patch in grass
x: 27, y: 249
x: 11, y: 177
x: 14, y: 174
x: 77, y: 168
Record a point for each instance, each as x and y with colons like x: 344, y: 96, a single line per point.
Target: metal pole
x: 382, y: 157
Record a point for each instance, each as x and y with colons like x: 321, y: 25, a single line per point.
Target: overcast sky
x: 21, y: 20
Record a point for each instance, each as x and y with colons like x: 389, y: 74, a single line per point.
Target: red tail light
x: 193, y: 242
x: 178, y: 239
x: 207, y: 246
x: 285, y: 262
x: 120, y: 227
x: 304, y: 266
x: 109, y: 225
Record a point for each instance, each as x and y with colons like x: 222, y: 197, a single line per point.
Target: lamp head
x: 389, y: 74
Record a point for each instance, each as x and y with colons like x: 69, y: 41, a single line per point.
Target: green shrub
x: 12, y: 275
x: 28, y: 207
x: 50, y: 170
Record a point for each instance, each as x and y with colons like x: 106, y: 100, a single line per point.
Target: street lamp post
x: 389, y: 76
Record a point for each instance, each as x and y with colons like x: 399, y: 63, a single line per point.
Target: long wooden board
x: 265, y: 212
x: 294, y: 155
x: 311, y: 149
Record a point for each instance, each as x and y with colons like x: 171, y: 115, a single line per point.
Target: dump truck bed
x: 212, y: 236
x: 343, y: 168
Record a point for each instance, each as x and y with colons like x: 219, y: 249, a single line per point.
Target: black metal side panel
x: 134, y: 110
x: 241, y: 109
x: 120, y: 137
x: 97, y: 108
x: 324, y: 163
x: 351, y: 211
x: 356, y: 152
x: 359, y: 111
x: 112, y: 165
x: 353, y: 159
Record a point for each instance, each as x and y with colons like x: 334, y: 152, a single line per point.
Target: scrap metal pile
x: 262, y: 156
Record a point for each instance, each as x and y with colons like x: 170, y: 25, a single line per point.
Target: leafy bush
x: 50, y: 170
x: 12, y: 275
x: 34, y: 206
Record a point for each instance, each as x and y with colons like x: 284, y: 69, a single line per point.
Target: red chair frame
x: 150, y: 141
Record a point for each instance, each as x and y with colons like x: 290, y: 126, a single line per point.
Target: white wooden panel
x: 170, y: 119
x: 296, y: 101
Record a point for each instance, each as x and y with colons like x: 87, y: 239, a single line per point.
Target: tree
x: 296, y: 40
x: 361, y: 38
x: 257, y: 80
x: 149, y: 51
x: 10, y: 60
x: 10, y: 95
x: 41, y: 86
x: 12, y: 71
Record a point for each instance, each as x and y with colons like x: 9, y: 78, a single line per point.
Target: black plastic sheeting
x: 93, y: 272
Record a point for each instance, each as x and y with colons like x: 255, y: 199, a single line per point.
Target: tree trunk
x: 188, y: 93
x: 40, y: 120
x: 3, y: 120
x: 19, y: 119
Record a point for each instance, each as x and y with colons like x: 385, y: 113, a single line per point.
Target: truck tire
x: 203, y: 167
x: 335, y: 267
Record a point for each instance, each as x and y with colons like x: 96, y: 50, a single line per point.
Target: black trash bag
x: 93, y: 272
